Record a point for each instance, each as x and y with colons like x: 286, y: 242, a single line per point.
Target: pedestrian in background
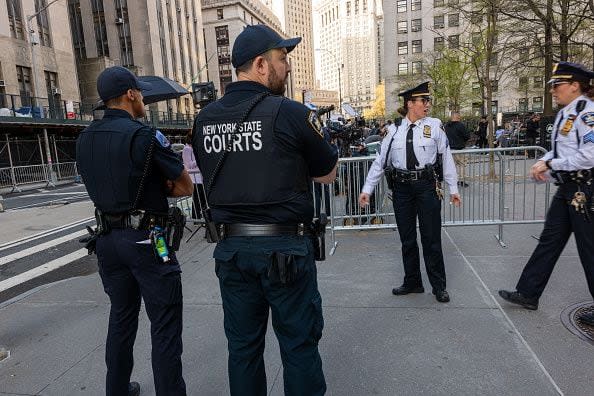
x: 198, y: 197
x: 481, y: 132
x: 571, y: 164
x: 409, y: 158
x: 130, y: 197
x: 532, y: 132
x: 458, y: 135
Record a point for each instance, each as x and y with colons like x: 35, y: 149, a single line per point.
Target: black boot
x: 516, y: 297
x: 402, y: 290
x: 133, y: 389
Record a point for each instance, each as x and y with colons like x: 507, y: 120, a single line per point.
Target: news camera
x: 203, y: 93
x: 347, y: 135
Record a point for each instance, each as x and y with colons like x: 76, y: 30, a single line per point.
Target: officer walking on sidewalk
x: 259, y: 152
x: 410, y: 160
x: 571, y: 164
x: 129, y: 170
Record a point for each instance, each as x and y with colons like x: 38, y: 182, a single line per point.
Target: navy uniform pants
x: 562, y: 219
x: 130, y: 271
x: 248, y: 295
x: 412, y: 200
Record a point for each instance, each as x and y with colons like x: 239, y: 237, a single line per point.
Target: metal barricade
x: 494, y: 184
x: 31, y: 174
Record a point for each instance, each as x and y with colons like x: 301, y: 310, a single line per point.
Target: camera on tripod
x: 203, y: 93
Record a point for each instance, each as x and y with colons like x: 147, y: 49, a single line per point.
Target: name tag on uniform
x: 568, y: 125
x: 427, y: 131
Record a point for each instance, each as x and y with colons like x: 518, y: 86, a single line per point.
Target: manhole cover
x: 569, y: 318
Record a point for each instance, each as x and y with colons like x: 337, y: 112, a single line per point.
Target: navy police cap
x: 256, y: 40
x: 421, y: 90
x: 116, y: 80
x: 569, y: 71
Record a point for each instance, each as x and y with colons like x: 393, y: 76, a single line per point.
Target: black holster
x: 390, y: 174
x: 282, y: 268
x: 176, y: 222
x: 212, y: 230
x: 102, y: 228
x: 318, y: 237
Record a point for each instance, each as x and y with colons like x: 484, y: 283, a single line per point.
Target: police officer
x: 412, y: 151
x: 261, y: 202
x: 130, y: 196
x: 571, y: 164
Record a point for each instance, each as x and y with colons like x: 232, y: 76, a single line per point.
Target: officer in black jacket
x: 130, y: 197
x: 261, y: 201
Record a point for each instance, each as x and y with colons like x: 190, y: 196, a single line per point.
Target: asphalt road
x: 61, y: 195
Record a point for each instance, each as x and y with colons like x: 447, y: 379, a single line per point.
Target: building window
x: 402, y: 69
x: 402, y: 27
x: 220, y: 14
x: 438, y: 21
x: 453, y: 20
x: 494, y: 85
x: 123, y: 26
x: 53, y: 93
x: 76, y: 29
x: 438, y: 43
x: 417, y: 47
x: 537, y: 82
x: 476, y: 18
x: 523, y: 82
x: 494, y: 107
x: 403, y: 48
x: 43, y: 23
x: 537, y: 104
x: 401, y: 5
x: 493, y: 59
x: 15, y: 18
x: 222, y: 35
x: 415, y: 25
x: 454, y: 41
x: 24, y: 81
x: 453, y: 2
x: 417, y: 67
x: 523, y: 54
x: 476, y: 87
x: 100, y: 28
x: 523, y: 104
x: 438, y: 3
x: 415, y: 5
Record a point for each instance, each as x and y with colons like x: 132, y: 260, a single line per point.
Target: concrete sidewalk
x: 373, y: 343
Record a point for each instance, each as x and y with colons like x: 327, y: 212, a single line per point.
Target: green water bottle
x: 161, y: 245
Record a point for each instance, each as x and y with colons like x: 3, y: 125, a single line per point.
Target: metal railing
x: 494, y: 184
x: 16, y: 176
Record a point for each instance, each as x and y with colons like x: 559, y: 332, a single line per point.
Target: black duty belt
x: 140, y: 221
x: 578, y: 176
x: 408, y: 176
x: 246, y: 230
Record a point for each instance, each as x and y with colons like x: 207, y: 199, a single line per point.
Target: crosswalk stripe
x: 38, y: 248
x: 42, y: 269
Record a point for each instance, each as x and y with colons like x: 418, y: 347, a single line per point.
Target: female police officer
x: 571, y: 163
x: 412, y: 155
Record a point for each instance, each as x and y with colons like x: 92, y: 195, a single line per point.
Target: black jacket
x: 457, y: 134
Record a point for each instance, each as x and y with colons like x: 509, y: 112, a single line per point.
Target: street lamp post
x: 32, y: 41
x: 339, y: 66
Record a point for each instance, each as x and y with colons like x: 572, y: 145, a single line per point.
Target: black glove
x: 90, y: 240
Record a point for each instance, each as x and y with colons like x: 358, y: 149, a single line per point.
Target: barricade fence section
x: 16, y: 176
x: 494, y: 184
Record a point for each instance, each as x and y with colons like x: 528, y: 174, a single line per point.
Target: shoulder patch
x: 588, y: 119
x: 441, y: 127
x: 315, y: 123
x: 162, y: 139
x: 589, y: 137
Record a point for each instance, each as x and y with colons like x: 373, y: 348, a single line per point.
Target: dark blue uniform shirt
x: 293, y: 131
x: 166, y: 165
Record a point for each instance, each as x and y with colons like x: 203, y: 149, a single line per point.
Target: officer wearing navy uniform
x: 130, y: 195
x: 261, y: 204
x: 409, y: 159
x: 571, y: 164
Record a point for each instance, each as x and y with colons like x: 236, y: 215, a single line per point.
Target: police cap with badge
x: 568, y: 71
x: 420, y: 91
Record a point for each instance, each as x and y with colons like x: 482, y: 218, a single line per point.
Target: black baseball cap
x: 256, y: 40
x: 116, y: 80
x: 569, y: 71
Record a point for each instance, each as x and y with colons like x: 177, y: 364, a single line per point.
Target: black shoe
x: 462, y: 184
x: 402, y: 290
x: 133, y: 389
x: 517, y: 298
x: 587, y: 318
x: 442, y: 296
